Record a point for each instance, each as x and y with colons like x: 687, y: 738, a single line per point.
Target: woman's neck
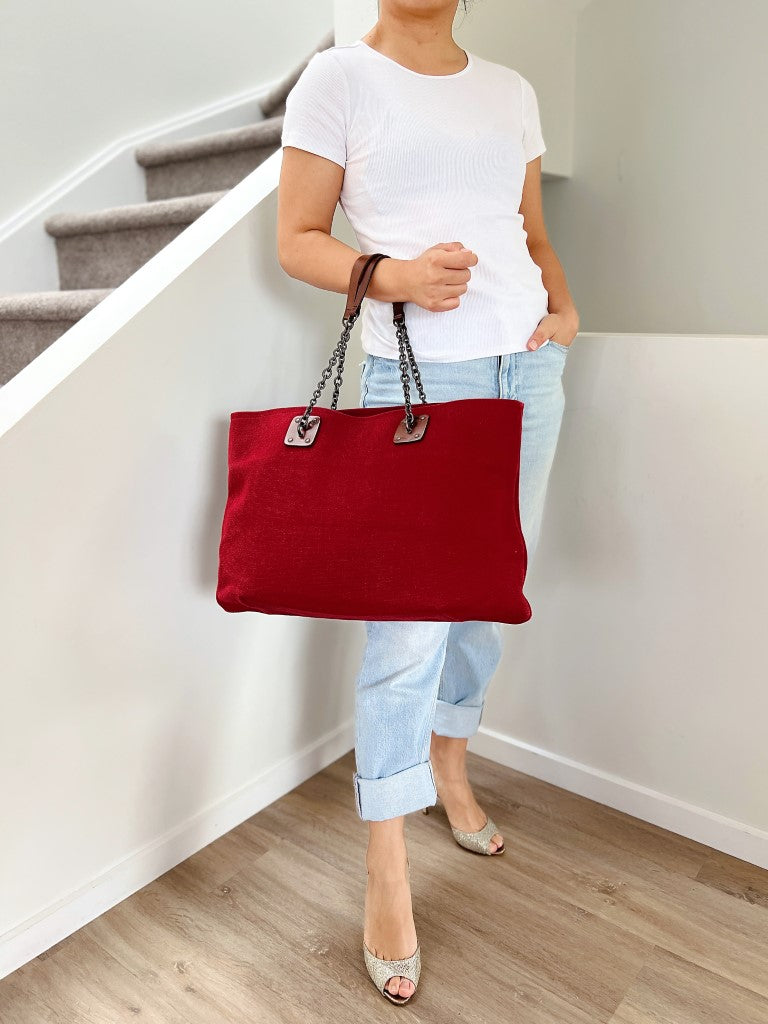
x: 421, y: 44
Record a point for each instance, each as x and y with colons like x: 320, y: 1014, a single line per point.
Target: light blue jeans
x: 420, y: 677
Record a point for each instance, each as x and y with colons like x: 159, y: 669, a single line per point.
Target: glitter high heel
x: 478, y: 842
x: 381, y: 970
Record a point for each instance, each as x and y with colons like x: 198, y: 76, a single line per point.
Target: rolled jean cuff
x: 458, y: 720
x: 405, y: 791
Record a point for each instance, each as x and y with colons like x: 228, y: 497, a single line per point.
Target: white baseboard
x: 697, y: 823
x: 32, y: 937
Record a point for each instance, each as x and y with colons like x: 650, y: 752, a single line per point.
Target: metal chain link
x: 406, y: 358
x: 339, y: 352
x: 410, y: 419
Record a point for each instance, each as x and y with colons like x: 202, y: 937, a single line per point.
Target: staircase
x: 96, y: 251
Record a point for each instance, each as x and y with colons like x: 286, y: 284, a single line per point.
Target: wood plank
x: 735, y: 877
x: 669, y: 990
x: 591, y: 917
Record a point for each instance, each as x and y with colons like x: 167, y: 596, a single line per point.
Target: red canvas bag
x: 386, y: 513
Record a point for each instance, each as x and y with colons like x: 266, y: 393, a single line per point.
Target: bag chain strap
x: 406, y: 358
x: 404, y: 344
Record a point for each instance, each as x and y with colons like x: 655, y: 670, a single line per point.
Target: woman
x: 434, y: 155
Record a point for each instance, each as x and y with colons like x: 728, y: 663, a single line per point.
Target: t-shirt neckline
x: 410, y: 71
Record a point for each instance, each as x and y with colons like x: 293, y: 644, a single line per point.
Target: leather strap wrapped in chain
x: 360, y: 278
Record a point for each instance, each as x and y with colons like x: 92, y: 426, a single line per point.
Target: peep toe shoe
x: 480, y: 841
x: 381, y: 970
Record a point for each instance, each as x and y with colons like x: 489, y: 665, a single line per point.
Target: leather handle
x: 360, y: 278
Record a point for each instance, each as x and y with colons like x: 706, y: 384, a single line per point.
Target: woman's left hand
x: 559, y: 327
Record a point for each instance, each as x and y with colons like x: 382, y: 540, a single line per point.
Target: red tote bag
x: 386, y: 513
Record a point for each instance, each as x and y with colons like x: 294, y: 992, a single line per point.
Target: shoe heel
x: 426, y: 809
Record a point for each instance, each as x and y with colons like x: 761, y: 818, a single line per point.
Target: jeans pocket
x: 365, y: 370
x: 562, y: 348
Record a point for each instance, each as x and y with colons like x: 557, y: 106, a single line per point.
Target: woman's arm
x: 562, y: 322
x: 307, y: 195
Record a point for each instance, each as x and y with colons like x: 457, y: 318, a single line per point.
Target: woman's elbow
x: 286, y: 255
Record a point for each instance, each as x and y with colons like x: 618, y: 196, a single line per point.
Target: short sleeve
x: 533, y: 143
x: 317, y: 109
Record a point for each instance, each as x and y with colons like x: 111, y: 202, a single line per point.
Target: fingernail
x: 534, y: 344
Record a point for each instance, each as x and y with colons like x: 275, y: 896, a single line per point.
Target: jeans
x: 420, y: 677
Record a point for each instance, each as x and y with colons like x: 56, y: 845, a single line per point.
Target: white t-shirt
x: 428, y: 159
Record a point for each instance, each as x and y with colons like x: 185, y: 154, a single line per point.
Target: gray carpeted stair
x: 215, y: 161
x: 97, y: 250
x: 30, y: 321
x: 103, y: 249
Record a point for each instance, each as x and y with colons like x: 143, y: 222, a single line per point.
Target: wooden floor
x: 590, y: 916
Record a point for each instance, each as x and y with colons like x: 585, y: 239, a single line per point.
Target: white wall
x: 79, y: 75
x: 640, y: 680
x: 139, y: 720
x: 663, y: 226
x: 538, y: 39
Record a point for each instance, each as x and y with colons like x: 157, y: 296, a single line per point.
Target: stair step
x: 230, y: 140
x: 102, y: 248
x: 98, y: 250
x: 31, y: 321
x: 183, y: 210
x: 218, y: 160
x: 274, y: 102
x: 71, y: 305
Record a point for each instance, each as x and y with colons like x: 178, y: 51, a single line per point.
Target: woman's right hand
x: 437, y: 278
